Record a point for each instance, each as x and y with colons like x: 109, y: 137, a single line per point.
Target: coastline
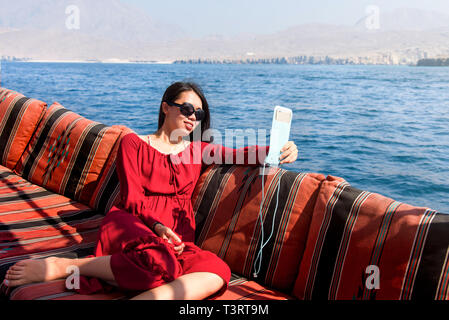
x: 378, y: 60
x: 109, y: 61
x: 428, y: 62
x: 199, y: 62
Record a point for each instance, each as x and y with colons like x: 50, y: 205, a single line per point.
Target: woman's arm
x: 252, y: 155
x: 218, y: 154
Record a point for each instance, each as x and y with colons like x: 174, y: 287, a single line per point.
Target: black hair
x: 174, y: 91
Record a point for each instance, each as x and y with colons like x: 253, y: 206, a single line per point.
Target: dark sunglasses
x: 187, y: 109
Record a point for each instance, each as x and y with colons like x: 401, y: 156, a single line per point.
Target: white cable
x: 261, y: 225
x: 263, y: 244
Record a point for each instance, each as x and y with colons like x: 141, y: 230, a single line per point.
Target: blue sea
x: 384, y: 129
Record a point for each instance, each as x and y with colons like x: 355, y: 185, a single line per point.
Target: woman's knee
x: 222, y: 268
x: 206, y: 261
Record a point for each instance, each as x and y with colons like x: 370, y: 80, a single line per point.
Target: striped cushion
x: 239, y: 289
x: 107, y: 192
x: 226, y: 204
x: 68, y: 153
x: 56, y: 290
x: 36, y: 223
x: 243, y: 289
x: 353, y: 229
x: 19, y: 117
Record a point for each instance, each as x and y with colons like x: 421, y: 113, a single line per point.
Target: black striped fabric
x: 40, y: 141
x: 69, y: 155
x: 107, y: 192
x: 9, y: 123
x: 214, y: 182
x: 432, y: 262
x: 226, y: 203
x: 76, y: 174
x: 38, y: 223
x: 19, y: 118
x: 357, y: 235
x: 331, y: 246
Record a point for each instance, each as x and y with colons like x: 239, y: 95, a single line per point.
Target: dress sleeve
x: 128, y: 170
x: 218, y: 154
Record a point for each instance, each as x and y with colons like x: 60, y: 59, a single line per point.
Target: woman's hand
x: 167, y: 234
x: 289, y: 153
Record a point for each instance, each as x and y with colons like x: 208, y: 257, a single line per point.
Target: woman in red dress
x: 146, y: 243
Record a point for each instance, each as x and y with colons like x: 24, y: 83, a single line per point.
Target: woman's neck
x: 163, y: 134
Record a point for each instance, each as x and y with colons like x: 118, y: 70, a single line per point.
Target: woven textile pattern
x: 356, y: 235
x: 68, y: 153
x: 226, y: 204
x: 19, y: 118
x: 37, y: 223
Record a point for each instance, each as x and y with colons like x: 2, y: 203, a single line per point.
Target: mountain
x: 109, y: 19
x: 111, y: 30
x: 316, y: 40
x: 412, y: 19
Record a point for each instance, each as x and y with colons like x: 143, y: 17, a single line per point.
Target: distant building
x: 436, y: 62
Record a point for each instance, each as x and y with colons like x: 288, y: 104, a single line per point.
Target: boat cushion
x: 55, y: 290
x: 362, y: 245
x: 239, y: 289
x: 19, y: 118
x: 68, y: 153
x: 107, y: 191
x: 37, y: 223
x: 226, y: 203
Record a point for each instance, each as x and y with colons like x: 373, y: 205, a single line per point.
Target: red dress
x: 157, y: 187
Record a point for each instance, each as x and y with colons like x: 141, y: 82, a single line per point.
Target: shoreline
x: 421, y: 63
x: 196, y: 63
x: 91, y: 61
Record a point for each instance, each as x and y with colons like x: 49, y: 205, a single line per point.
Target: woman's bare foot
x: 40, y: 270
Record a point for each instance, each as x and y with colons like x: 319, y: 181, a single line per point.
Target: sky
x: 231, y: 17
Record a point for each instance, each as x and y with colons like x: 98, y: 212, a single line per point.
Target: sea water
x: 384, y: 129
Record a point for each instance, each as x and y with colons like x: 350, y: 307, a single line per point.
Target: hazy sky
x: 229, y: 17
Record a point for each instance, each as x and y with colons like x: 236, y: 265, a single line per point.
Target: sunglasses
x: 187, y: 109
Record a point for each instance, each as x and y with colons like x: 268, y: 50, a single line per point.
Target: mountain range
x: 112, y: 31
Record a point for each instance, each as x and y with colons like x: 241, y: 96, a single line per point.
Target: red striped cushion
x: 37, y: 223
x: 33, y: 219
x: 19, y: 117
x: 56, y: 290
x: 68, y: 154
x: 352, y: 229
x: 226, y: 204
x: 239, y: 289
x: 243, y: 289
x: 107, y: 192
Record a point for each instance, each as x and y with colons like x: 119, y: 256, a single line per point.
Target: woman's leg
x: 40, y: 270
x: 190, y: 286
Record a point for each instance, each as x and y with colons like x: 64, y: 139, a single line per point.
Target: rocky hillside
x: 111, y: 31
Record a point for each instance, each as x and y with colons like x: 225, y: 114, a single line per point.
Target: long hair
x: 173, y: 92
